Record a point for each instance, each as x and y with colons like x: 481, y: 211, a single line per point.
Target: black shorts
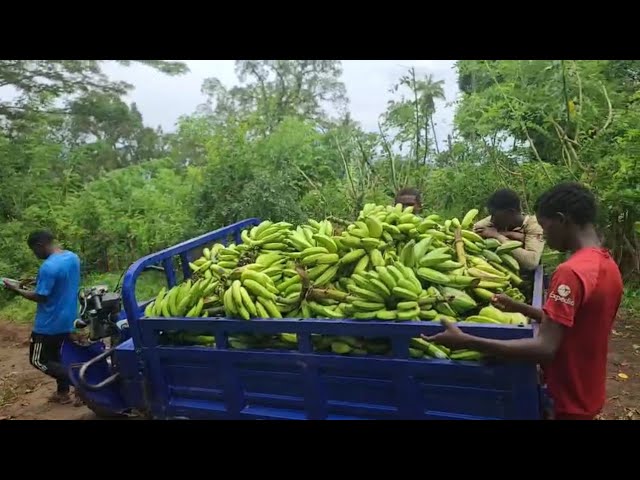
x: 44, y: 354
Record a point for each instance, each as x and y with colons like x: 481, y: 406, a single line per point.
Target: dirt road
x: 24, y: 390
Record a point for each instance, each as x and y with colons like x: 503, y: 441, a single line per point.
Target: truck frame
x: 195, y: 382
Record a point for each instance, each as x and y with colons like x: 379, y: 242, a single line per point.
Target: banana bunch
x: 220, y: 259
x: 491, y: 314
x: 315, y: 234
x: 388, y: 292
x: 189, y: 299
x: 390, y: 224
x: 253, y: 292
x: 267, y: 236
x: 388, y: 265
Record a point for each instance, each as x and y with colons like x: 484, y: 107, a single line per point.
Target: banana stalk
x: 462, y: 258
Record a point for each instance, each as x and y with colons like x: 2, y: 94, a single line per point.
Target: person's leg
x: 44, y: 354
x: 54, y: 364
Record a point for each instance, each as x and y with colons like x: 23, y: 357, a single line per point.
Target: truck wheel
x: 99, y: 411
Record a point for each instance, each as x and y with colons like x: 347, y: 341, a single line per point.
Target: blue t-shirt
x: 59, y: 281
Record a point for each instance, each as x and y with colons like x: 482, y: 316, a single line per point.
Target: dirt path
x: 24, y: 390
x: 623, y: 384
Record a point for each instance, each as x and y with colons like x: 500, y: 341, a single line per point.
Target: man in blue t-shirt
x: 56, y: 294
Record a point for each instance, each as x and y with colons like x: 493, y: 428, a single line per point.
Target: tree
x: 112, y: 130
x: 412, y: 117
x: 542, y: 122
x: 39, y: 82
x: 272, y: 90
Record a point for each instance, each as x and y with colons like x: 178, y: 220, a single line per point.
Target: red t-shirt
x: 584, y: 296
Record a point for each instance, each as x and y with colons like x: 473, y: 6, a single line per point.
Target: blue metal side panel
x: 196, y: 382
x: 131, y: 382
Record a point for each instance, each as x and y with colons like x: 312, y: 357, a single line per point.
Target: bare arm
x: 528, y: 311
x: 44, y: 286
x: 30, y: 295
x: 528, y: 259
x: 484, y: 223
x: 529, y: 255
x: 540, y: 348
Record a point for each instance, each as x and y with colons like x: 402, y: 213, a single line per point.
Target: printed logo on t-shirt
x: 562, y: 294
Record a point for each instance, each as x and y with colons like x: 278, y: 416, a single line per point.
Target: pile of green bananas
x: 388, y: 265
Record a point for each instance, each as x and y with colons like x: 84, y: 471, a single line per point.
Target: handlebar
x: 85, y: 366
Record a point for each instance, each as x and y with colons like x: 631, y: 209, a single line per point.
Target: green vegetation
x: 78, y: 160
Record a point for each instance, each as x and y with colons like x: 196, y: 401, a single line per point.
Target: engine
x: 99, y: 311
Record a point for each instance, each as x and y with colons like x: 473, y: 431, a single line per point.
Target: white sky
x: 162, y: 99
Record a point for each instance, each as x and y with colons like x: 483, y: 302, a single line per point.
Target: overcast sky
x: 162, y: 99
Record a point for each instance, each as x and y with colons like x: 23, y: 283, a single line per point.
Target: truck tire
x: 100, y: 412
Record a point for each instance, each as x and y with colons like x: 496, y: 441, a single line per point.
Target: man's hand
x: 10, y: 286
x: 519, y: 236
x: 452, y: 337
x: 487, y: 232
x: 505, y: 303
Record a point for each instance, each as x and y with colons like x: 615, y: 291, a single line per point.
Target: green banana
x: 247, y: 302
x: 258, y: 290
x: 374, y: 226
x: 409, y: 314
x: 270, y: 306
x: 509, y: 246
x: 468, y: 218
x: 386, y: 314
x: 510, y: 262
x: 459, y: 301
x: 379, y: 286
x: 466, y: 355
x: 471, y: 236
x: 327, y: 242
x: 483, y: 294
x: 368, y: 306
x: 316, y: 271
x: 327, y: 276
x: 482, y: 319
x: 366, y: 294
x: 313, y: 251
x: 433, y: 276
x: 386, y: 277
x: 492, y: 243
x: 407, y: 255
x: 353, y: 256
x: 408, y: 305
x: 446, y: 266
x: 428, y: 314
x: 491, y: 256
x: 362, y: 264
x: 377, y: 260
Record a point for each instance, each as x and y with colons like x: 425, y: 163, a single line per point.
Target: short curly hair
x: 503, y: 199
x: 409, y: 191
x: 571, y: 199
x: 40, y: 237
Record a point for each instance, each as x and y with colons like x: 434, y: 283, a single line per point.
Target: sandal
x: 60, y: 398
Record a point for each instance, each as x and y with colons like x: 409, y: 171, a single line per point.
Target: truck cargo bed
x: 224, y: 383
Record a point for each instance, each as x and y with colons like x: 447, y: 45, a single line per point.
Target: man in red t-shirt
x: 577, y: 317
